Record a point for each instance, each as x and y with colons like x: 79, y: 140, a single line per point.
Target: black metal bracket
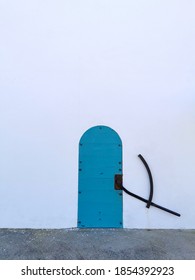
x: 118, y: 181
x: 119, y: 186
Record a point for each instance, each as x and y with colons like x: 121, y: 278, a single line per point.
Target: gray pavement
x: 94, y: 244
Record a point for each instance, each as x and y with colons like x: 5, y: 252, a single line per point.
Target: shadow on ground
x: 95, y: 244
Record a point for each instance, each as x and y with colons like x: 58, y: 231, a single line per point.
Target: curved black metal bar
x: 149, y: 201
x: 152, y: 203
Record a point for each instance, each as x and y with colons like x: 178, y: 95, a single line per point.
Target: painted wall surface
x: 66, y: 66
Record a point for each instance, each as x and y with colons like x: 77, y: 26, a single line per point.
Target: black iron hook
x: 152, y: 203
x: 119, y: 186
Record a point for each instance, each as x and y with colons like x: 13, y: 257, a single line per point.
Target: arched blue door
x: 100, y: 158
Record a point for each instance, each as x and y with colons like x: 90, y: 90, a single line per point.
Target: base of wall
x: 77, y: 244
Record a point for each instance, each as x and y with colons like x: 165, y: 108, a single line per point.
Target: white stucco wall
x: 68, y: 65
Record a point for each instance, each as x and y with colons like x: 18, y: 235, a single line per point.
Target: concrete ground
x: 94, y: 244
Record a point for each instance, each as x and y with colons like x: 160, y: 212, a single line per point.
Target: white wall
x: 68, y: 65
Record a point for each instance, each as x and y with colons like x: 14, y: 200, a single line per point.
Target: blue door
x: 100, y: 158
